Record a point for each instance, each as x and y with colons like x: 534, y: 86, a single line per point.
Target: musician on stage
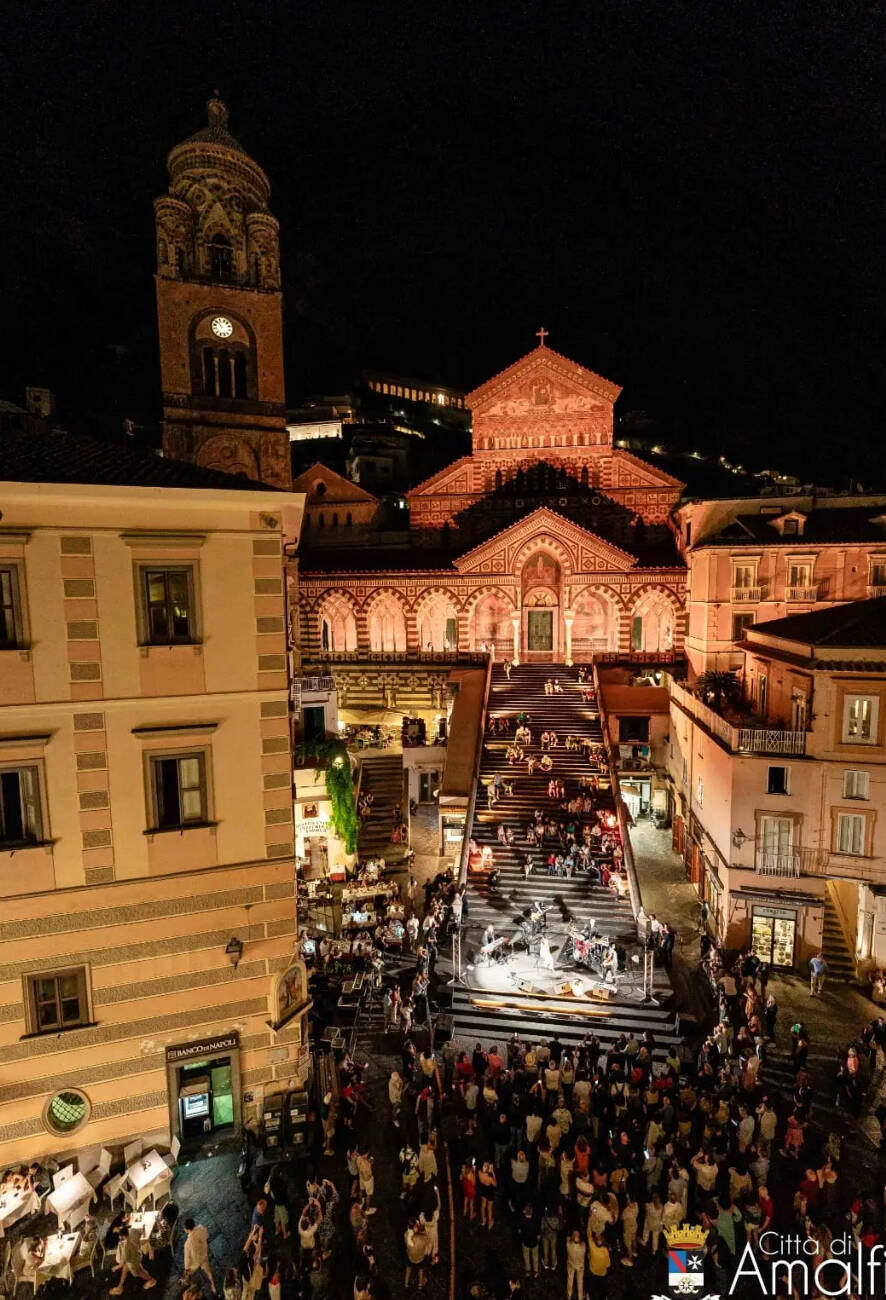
x: 610, y: 963
x: 545, y: 956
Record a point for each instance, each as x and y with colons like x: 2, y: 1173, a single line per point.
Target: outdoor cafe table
x: 15, y: 1204
x: 145, y: 1171
x: 71, y: 1193
x: 57, y: 1257
x: 147, y: 1221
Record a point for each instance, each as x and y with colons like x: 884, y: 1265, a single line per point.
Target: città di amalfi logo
x: 780, y: 1264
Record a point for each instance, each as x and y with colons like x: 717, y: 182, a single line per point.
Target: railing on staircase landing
x: 633, y: 880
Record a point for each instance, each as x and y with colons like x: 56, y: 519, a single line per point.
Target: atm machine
x: 195, y: 1107
x: 272, y: 1125
x: 296, y: 1122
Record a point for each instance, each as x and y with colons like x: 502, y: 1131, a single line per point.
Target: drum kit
x: 585, y: 947
x: 533, y: 926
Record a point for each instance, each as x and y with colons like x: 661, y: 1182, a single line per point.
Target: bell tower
x: 219, y: 309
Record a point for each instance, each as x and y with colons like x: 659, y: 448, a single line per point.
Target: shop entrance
x: 773, y: 936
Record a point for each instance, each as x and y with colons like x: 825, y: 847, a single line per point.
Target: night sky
x: 690, y: 197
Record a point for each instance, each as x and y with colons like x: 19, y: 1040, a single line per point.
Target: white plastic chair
x: 160, y: 1188
x: 88, y: 1159
x: 76, y: 1215
x: 62, y: 1177
x: 21, y: 1268
x: 86, y: 1256
x: 132, y: 1152
x: 114, y: 1188
x: 171, y: 1157
x: 97, y: 1176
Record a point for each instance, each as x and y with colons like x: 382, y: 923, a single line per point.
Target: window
x: 856, y: 785
x: 689, y: 534
x: 860, y: 719
x: 636, y: 729
x: 11, y: 635
x: 224, y: 372
x: 790, y: 528
x: 740, y: 624
x: 684, y: 776
x: 851, y: 833
x: 799, y: 711
x: 778, y: 780
x: 169, y: 605
x: 762, y: 691
x: 878, y: 573
x: 221, y: 258
x: 20, y: 816
x: 67, y: 1111
x: 58, y: 1000
x: 744, y: 575
x: 178, y: 787
x: 776, y: 845
x: 699, y: 793
x: 799, y: 572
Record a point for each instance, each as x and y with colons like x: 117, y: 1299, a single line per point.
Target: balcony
x: 874, y: 591
x: 301, y: 686
x: 766, y: 740
x: 747, y: 595
x: 801, y: 595
x: 793, y: 862
x: 739, y: 740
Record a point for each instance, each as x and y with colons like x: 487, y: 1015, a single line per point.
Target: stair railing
x: 627, y: 851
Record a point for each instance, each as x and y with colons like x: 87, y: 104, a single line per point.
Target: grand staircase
x: 383, y: 777
x: 485, y: 1016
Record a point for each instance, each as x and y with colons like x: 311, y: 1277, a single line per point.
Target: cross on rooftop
x: 541, y: 335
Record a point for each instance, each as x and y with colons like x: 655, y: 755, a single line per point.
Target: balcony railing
x: 763, y: 740
x: 875, y: 591
x: 801, y: 593
x: 793, y: 862
x: 746, y: 595
x: 740, y: 740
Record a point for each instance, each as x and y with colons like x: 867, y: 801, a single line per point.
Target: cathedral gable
x: 585, y: 551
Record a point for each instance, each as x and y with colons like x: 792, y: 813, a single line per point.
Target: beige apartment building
x: 147, y: 911
x: 779, y: 814
x: 754, y: 559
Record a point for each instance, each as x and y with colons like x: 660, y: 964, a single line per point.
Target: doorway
x: 773, y: 936
x: 540, y: 630
x: 314, y: 721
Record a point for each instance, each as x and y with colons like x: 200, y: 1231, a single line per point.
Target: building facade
x: 545, y: 544
x: 148, y: 922
x: 780, y: 823
x: 756, y: 559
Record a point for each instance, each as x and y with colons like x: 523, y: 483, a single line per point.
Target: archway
x: 338, y: 625
x: 437, y: 620
x: 540, y: 581
x: 491, y: 624
x: 652, y: 624
x: 387, y: 623
x: 595, y: 626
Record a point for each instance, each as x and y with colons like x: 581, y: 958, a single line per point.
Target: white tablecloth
x: 73, y: 1191
x: 146, y: 1170
x: 147, y: 1221
x: 14, y: 1205
x: 60, y: 1251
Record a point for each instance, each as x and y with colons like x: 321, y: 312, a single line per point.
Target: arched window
x: 221, y: 258
x: 584, y: 476
x: 497, y: 479
x: 335, y: 519
x: 348, y: 519
x: 321, y: 521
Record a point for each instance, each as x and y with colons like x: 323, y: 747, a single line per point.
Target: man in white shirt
x: 197, y: 1252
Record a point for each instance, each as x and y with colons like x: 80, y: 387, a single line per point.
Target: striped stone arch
x: 389, y: 622
x: 543, y: 541
x: 335, y: 616
x: 654, y: 621
x: 598, y: 617
x: 488, y: 615
x: 437, y: 614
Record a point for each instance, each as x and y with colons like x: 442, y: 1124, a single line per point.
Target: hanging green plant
x: 333, y: 760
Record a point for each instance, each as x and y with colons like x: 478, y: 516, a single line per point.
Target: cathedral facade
x: 545, y: 544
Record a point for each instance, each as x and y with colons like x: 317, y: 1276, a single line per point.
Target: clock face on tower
x: 222, y: 327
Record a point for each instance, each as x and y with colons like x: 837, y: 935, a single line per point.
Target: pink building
x: 755, y: 559
x: 777, y: 816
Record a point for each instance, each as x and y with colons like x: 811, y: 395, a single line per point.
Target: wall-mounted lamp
x: 739, y: 838
x: 234, y: 949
